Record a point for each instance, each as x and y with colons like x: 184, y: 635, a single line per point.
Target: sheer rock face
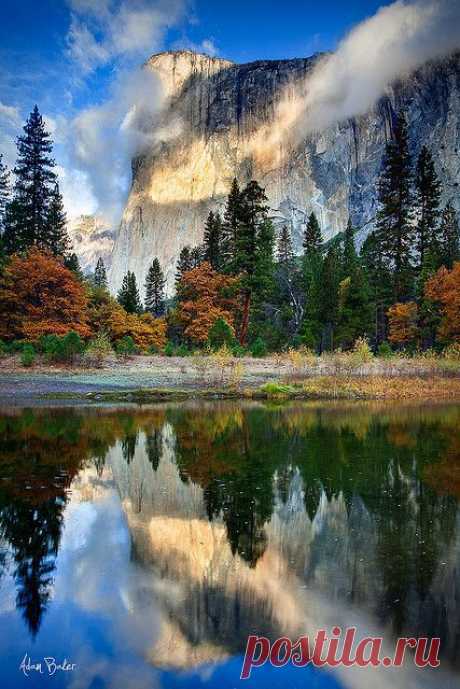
x: 222, y: 120
x: 91, y: 239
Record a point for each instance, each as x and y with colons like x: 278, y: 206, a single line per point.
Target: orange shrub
x: 107, y: 314
x: 147, y: 331
x: 39, y: 296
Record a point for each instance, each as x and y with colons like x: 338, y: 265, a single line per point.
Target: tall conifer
x: 100, y: 274
x: 56, y: 238
x: 128, y: 296
x: 394, y: 229
x: 213, y: 240
x: 4, y: 190
x: 230, y: 224
x: 427, y: 198
x: 155, y: 289
x: 27, y: 219
x: 449, y: 237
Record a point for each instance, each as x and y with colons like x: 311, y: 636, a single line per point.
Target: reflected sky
x: 145, y: 545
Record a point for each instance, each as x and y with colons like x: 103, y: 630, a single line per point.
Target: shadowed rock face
x: 222, y: 120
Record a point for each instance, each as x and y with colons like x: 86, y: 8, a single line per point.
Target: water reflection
x: 239, y: 519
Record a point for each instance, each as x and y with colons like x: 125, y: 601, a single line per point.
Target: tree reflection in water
x: 396, y: 472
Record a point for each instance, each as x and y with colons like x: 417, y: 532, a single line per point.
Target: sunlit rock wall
x: 222, y: 120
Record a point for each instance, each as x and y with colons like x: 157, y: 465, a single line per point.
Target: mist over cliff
x: 220, y: 120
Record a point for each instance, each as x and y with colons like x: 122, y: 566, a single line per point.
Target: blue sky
x: 71, y: 56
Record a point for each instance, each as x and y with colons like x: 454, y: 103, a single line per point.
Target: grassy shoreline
x: 315, y: 389
x: 151, y: 379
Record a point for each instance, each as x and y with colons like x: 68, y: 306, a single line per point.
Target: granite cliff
x: 220, y: 120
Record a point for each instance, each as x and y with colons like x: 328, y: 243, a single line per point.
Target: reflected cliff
x: 241, y: 518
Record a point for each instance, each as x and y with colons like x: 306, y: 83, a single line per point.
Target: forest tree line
x: 244, y: 286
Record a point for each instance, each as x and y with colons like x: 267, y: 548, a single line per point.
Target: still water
x: 144, y: 545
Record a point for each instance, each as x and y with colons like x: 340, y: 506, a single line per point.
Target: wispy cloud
x: 10, y: 123
x: 394, y: 42
x: 104, y: 32
x: 206, y: 46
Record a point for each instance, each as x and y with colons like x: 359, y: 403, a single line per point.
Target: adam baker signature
x: 48, y: 666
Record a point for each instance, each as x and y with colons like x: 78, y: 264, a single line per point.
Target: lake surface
x: 144, y: 545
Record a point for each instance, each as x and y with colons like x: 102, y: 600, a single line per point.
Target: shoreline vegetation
x: 248, y: 316
x: 292, y: 375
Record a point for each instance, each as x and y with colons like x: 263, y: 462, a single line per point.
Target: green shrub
x: 3, y: 348
x: 384, y: 350
x: 258, y: 348
x: 61, y: 349
x: 72, y: 346
x: 182, y: 350
x: 274, y: 389
x: 28, y: 355
x: 125, y: 347
x: 221, y: 334
x: 169, y: 349
x: 48, y: 345
x: 362, y: 353
x: 239, y: 351
x: 98, y: 349
x: 16, y: 346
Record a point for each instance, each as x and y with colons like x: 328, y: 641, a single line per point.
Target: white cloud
x: 103, y: 139
x: 76, y: 191
x: 10, y: 127
x: 394, y: 42
x: 209, y: 47
x: 206, y: 46
x: 84, y: 49
x: 10, y: 115
x: 103, y: 32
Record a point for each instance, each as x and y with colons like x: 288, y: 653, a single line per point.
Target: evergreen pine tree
x: 252, y: 227
x: 312, y: 240
x: 355, y: 313
x: 72, y: 263
x: 57, y: 240
x: 230, y: 228
x: 128, y: 296
x: 394, y: 230
x: 378, y: 277
x: 449, y: 250
x: 428, y: 194
x: 100, y: 275
x: 289, y: 298
x: 184, y: 264
x: 155, y: 289
x: 350, y: 257
x: 4, y: 190
x: 213, y: 240
x: 312, y: 268
x: 284, y: 248
x: 196, y: 256
x: 263, y: 283
x: 328, y: 297
x: 27, y: 219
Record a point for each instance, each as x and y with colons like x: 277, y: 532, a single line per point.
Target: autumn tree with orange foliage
x: 39, y: 296
x: 402, y: 323
x: 444, y: 289
x: 105, y: 313
x: 206, y: 296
